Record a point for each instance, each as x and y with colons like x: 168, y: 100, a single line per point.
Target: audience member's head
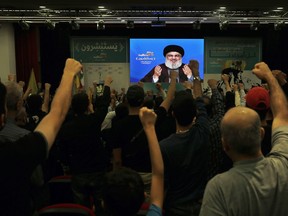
x: 184, y: 108
x: 34, y: 103
x: 80, y: 103
x: 121, y: 110
x: 241, y: 132
x: 148, y: 102
x: 208, y: 104
x: 14, y: 96
x: 258, y: 99
x: 135, y: 96
x: 3, y: 93
x: 158, y: 101
x: 123, y: 192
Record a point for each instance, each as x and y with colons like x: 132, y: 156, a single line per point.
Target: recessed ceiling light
x: 101, y: 7
x: 42, y: 7
x: 280, y: 8
x: 222, y: 8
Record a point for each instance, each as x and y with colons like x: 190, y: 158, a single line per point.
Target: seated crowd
x: 182, y: 152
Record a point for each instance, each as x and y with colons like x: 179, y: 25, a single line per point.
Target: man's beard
x: 172, y: 65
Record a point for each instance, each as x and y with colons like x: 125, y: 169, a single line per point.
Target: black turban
x: 173, y: 48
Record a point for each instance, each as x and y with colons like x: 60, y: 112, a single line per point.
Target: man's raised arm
x: 197, y: 87
x: 51, y: 123
x: 148, y: 119
x: 278, y: 99
x: 171, y: 91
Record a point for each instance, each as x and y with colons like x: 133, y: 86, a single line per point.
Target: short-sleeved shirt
x: 252, y: 187
x: 185, y: 159
x: 17, y: 161
x: 154, y: 211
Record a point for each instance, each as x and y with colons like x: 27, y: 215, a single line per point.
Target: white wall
x: 7, y: 51
x: 98, y: 71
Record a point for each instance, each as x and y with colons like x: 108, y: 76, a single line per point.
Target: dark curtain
x: 55, y: 49
x: 26, y: 49
x: 275, y: 49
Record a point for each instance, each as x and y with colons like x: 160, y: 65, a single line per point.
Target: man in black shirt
x: 129, y: 140
x: 185, y: 153
x: 81, y: 138
x: 19, y: 159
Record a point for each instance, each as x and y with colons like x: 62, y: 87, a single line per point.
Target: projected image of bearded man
x: 173, y: 61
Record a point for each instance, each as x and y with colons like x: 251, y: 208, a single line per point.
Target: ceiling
x: 115, y: 11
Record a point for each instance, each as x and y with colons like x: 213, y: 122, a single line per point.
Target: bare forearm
x: 155, y: 153
x: 170, y: 94
x: 278, y: 99
x: 197, y: 88
x: 63, y: 96
x: 237, y: 98
x: 171, y: 90
x: 45, y: 106
x: 157, y: 186
x: 26, y: 94
x: 51, y: 123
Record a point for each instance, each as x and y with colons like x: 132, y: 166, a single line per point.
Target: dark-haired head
x: 34, y: 103
x: 80, y: 103
x: 135, y: 96
x: 184, y: 108
x: 123, y: 192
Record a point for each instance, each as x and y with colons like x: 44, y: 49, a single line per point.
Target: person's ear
x: 225, y: 145
x: 262, y: 132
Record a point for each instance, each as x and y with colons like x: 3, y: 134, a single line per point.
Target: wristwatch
x: 196, y: 78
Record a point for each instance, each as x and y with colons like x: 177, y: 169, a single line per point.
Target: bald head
x: 239, y: 116
x: 241, y: 129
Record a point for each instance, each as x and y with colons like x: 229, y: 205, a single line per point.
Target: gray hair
x: 14, y: 95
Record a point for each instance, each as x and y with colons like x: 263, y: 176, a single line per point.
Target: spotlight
x: 75, y: 25
x: 223, y: 25
x: 255, y: 26
x: 279, y: 25
x: 50, y: 25
x: 196, y: 25
x: 130, y: 24
x: 101, y: 25
x: 24, y: 25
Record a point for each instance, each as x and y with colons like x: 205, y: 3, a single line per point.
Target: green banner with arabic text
x: 95, y: 50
